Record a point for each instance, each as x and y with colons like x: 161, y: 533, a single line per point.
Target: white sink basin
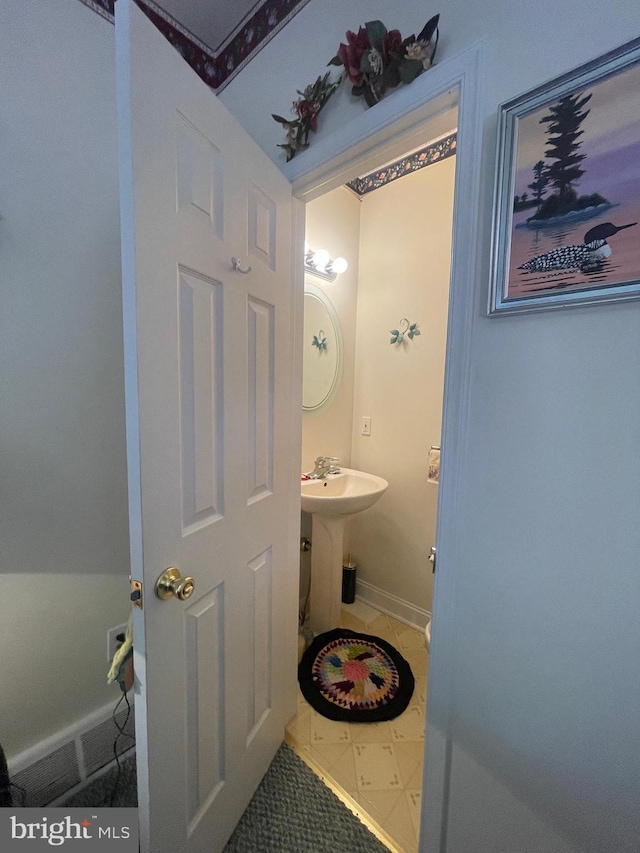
x: 337, y: 495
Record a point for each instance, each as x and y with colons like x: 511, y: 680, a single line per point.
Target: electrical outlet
x: 366, y: 426
x: 112, y: 642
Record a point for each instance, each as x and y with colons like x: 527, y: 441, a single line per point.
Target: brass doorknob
x: 172, y: 583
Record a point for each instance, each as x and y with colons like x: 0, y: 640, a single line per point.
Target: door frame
x: 358, y: 145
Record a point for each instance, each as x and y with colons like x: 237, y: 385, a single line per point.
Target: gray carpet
x: 292, y: 811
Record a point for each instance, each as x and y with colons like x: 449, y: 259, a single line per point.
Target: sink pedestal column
x: 327, y: 538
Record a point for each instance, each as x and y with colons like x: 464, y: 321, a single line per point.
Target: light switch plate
x: 366, y: 426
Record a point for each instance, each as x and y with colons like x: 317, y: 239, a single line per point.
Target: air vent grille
x: 48, y: 778
x: 97, y: 744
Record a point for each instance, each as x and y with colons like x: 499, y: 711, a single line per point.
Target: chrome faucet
x: 333, y: 464
x: 321, y: 468
x: 324, y: 465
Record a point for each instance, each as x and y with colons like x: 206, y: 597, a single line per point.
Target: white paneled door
x: 210, y: 423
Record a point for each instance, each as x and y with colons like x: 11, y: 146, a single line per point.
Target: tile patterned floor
x: 378, y: 765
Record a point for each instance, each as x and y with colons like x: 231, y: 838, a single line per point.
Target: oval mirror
x: 322, y: 353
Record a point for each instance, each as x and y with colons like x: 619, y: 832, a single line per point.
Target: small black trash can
x: 348, y: 582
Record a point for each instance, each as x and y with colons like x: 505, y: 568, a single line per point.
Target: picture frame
x: 566, y: 213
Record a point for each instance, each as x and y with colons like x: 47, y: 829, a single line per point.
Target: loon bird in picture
x: 584, y: 256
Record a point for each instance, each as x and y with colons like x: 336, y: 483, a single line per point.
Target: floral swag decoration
x: 374, y: 59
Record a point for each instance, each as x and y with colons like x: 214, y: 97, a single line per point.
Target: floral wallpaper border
x: 102, y: 7
x: 254, y: 34
x: 406, y: 165
x: 216, y: 70
x: 194, y: 52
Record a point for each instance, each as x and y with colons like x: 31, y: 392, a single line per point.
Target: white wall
x: 63, y: 499
x: 405, y: 253
x: 545, y: 721
x: 333, y: 223
x: 403, y: 269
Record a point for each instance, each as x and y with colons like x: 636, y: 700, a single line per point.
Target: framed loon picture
x: 566, y: 220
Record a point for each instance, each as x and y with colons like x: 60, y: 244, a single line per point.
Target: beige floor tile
x: 400, y: 825
x: 410, y: 758
x: 413, y: 799
x: 376, y: 767
x: 420, y: 692
x: 344, y: 771
x: 348, y: 620
x: 415, y: 781
x: 408, y: 846
x: 328, y: 731
x: 361, y: 611
x: 418, y: 705
x: 300, y: 726
x: 370, y: 733
x: 327, y: 754
x: 409, y: 726
x: 379, y: 804
x: 409, y: 638
x: 418, y: 660
x: 397, y: 626
x: 385, y: 633
x: 379, y: 623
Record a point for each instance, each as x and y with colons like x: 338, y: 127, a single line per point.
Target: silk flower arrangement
x: 374, y: 60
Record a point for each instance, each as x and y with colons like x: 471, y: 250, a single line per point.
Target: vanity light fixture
x: 320, y: 259
x: 320, y: 263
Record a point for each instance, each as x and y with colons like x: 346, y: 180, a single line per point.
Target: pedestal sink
x: 331, y: 500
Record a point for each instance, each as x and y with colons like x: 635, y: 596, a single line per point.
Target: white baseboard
x: 64, y: 763
x: 400, y: 609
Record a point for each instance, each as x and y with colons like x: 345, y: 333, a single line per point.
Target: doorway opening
x: 391, y: 219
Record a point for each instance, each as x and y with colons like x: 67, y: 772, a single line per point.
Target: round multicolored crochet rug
x: 355, y: 677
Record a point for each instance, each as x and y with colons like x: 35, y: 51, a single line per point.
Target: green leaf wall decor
x: 320, y: 341
x: 411, y: 331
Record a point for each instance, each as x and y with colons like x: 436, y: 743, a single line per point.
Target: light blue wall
x: 64, y: 552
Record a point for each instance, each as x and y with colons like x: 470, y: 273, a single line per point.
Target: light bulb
x: 338, y: 266
x: 321, y: 259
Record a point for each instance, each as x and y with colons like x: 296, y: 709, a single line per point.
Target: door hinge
x: 136, y: 593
